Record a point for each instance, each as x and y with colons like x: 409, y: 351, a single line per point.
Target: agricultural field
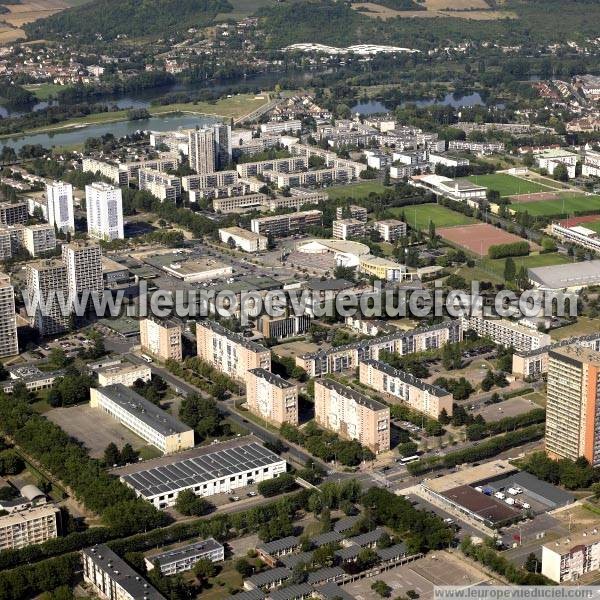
x: 420, y: 215
x: 243, y: 9
x: 477, y: 10
x: 568, y: 203
x: 355, y: 190
x: 508, y: 185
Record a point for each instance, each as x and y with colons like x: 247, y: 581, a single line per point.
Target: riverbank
x: 234, y: 107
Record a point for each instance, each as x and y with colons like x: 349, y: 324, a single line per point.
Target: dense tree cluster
x: 480, y: 430
x: 286, y: 482
x: 571, y: 474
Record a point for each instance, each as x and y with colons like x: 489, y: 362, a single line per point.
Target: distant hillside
x: 134, y: 18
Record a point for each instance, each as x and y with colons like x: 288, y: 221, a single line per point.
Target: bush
x: 278, y: 485
x: 506, y: 250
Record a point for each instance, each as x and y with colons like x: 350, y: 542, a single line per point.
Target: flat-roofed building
x: 59, y: 206
x: 565, y: 276
x: 33, y: 525
x: 145, y: 419
x: 344, y: 229
x: 460, y: 190
x: 399, y: 385
x: 39, y: 239
x: 206, y: 470
x: 124, y: 373
x: 112, y: 578
x: 382, y: 268
x: 271, y: 397
x: 506, y: 333
x: 335, y: 360
x: 202, y: 181
x: 248, y: 241
x: 551, y: 158
x: 161, y: 338
x: 13, y: 213
x: 236, y: 203
x: 185, y: 557
x: 284, y: 225
x: 201, y: 148
x: 391, y: 230
x: 277, y: 165
x: 352, y: 415
x: 573, y: 404
x: 571, y: 557
x: 351, y: 212
x: 160, y: 184
x: 9, y: 344
x: 104, y: 205
x: 230, y: 352
x: 309, y: 178
x: 279, y: 127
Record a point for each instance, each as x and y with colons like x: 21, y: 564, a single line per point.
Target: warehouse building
x: 145, y: 419
x: 208, y: 470
x: 566, y: 277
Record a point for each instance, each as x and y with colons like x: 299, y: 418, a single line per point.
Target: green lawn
x: 355, y: 190
x: 44, y: 91
x: 583, y: 326
x: 488, y: 269
x: 568, y: 204
x: 508, y: 185
x: 420, y: 215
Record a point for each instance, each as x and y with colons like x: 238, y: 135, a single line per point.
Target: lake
x: 78, y: 135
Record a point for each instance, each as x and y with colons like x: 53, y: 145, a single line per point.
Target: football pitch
x: 567, y: 204
x: 508, y: 185
x: 419, y: 216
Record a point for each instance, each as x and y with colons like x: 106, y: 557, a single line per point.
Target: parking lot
x: 93, y: 428
x: 439, y: 568
x: 508, y: 408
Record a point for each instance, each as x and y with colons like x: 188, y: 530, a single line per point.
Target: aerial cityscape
x: 299, y: 299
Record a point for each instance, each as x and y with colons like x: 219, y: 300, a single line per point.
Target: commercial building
x: 569, y: 558
x: 230, y: 352
x: 59, y: 206
x: 352, y: 415
x: 104, y: 207
x: 191, y: 270
x: 201, y: 147
x: 284, y: 225
x: 33, y: 525
x: 349, y: 356
x: 112, y: 578
x: 184, y: 558
x: 565, y: 277
x: 391, y: 230
x: 83, y: 261
x: 125, y: 373
x: 245, y: 240
x: 207, y: 470
x: 46, y: 281
x: 399, y: 385
x: 13, y: 214
x: 382, y: 268
x: 38, y: 239
x: 573, y: 404
x: 271, y: 397
x: 9, y: 345
x: 506, y: 333
x: 161, y: 338
x: 348, y: 228
x: 145, y: 419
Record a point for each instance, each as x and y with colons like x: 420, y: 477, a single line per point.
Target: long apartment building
x: 284, y: 225
x: 352, y: 415
x: 33, y: 525
x: 230, y: 352
x: 349, y: 356
x: 161, y: 338
x: 124, y: 173
x: 271, y: 397
x: 317, y: 177
x: 111, y: 578
x: 331, y: 158
x: 126, y: 374
x: 145, y: 419
x: 162, y: 185
x: 277, y: 165
x: 202, y: 181
x: 535, y: 362
x: 506, y: 333
x: 185, y: 557
x: 571, y: 557
x: 298, y: 199
x: 573, y: 404
x: 9, y: 344
x: 578, y: 235
x: 428, y: 399
x: 238, y: 203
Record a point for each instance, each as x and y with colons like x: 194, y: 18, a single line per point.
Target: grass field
x: 493, y: 269
x: 420, y: 215
x: 243, y: 9
x: 507, y: 185
x: 583, y: 326
x: 355, y: 190
x: 378, y: 11
x: 43, y: 91
x: 568, y: 204
x: 593, y: 225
